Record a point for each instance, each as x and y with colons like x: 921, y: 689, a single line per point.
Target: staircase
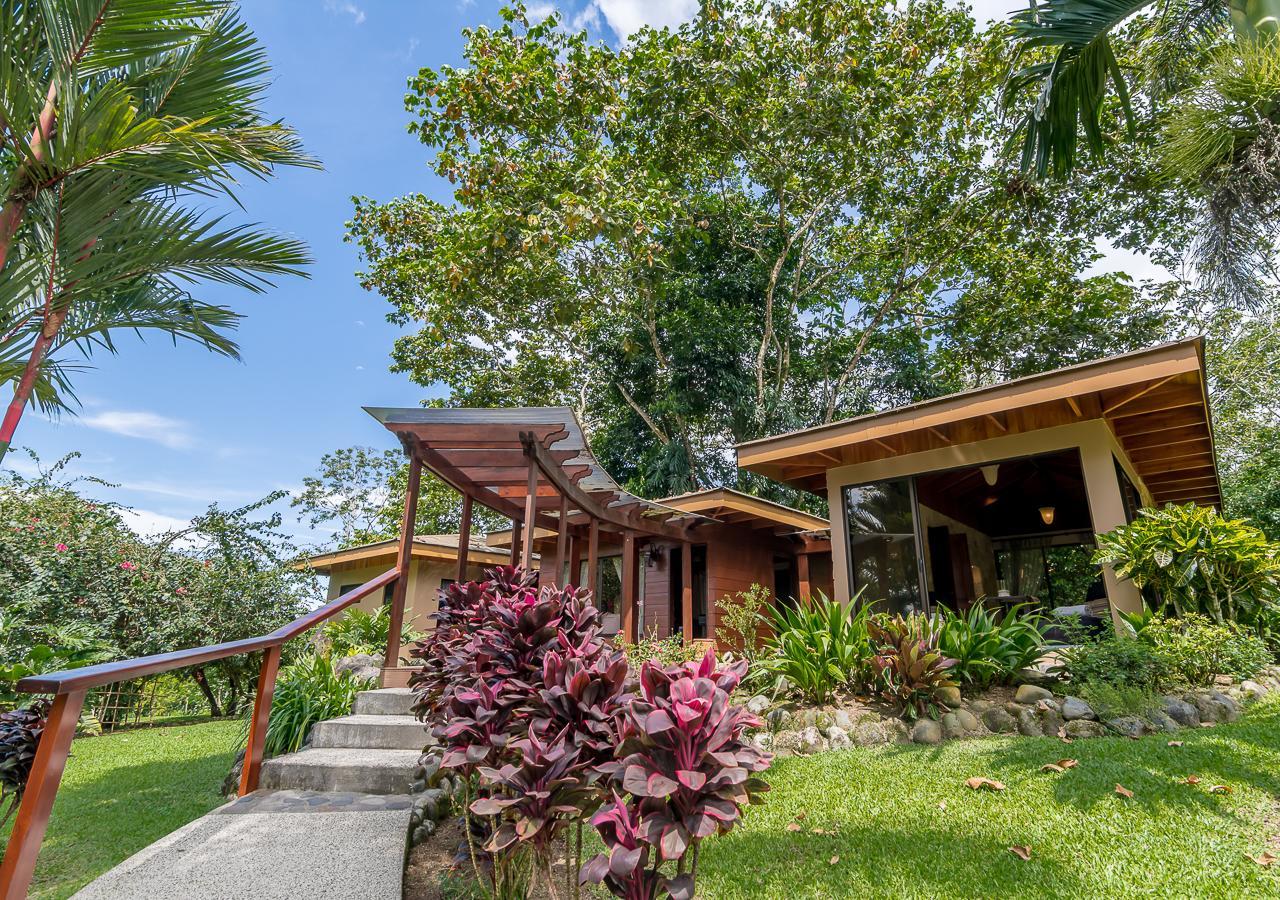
x: 330, y: 822
x: 372, y: 751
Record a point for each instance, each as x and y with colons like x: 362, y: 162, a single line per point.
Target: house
x: 434, y: 565
x: 999, y: 491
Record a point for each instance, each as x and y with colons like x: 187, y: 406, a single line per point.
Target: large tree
x: 116, y: 118
x: 784, y: 212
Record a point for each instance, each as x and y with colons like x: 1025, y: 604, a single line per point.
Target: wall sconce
x: 1046, y: 513
x: 991, y: 473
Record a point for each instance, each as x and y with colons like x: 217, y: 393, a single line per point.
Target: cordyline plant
x: 20, y: 731
x: 909, y: 667
x: 688, y: 771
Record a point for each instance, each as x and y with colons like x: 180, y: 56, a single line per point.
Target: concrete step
x: 384, y: 702
x: 273, y: 846
x: 341, y: 769
x: 371, y: 733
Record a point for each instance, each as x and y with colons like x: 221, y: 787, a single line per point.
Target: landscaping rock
x: 968, y: 721
x: 758, y: 704
x: 842, y: 719
x: 763, y: 741
x: 786, y: 742
x: 951, y: 727
x: 777, y: 719
x: 1030, y: 693
x: 999, y: 721
x: 1252, y: 690
x: 1035, y: 676
x: 1129, y: 726
x: 1074, y: 708
x: 1163, y: 721
x: 926, y: 731
x: 363, y: 666
x: 1013, y: 708
x: 1084, y: 728
x: 838, y: 738
x: 948, y: 696
x: 980, y: 706
x: 1051, y: 703
x: 897, y: 731
x: 1050, y: 721
x: 1028, y: 724
x: 1231, y: 709
x: 1223, y: 680
x: 869, y: 734
x: 1182, y: 712
x: 812, y: 741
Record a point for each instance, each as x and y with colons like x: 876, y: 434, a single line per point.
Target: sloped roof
x: 425, y: 546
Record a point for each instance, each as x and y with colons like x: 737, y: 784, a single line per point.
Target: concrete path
x: 280, y: 845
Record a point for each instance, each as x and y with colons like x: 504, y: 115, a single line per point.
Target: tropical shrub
x: 909, y: 668
x: 33, y: 649
x: 1194, y: 648
x: 738, y: 620
x: 989, y: 647
x: 819, y: 645
x: 667, y: 651
x: 359, y: 632
x: 308, y: 691
x: 1111, y: 700
x: 683, y: 761
x: 20, y: 731
x: 1115, y: 660
x: 1197, y: 562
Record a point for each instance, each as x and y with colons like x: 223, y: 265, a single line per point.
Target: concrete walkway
x: 279, y: 845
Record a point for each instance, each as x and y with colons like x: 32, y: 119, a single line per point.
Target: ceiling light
x: 991, y: 473
x: 1046, y: 513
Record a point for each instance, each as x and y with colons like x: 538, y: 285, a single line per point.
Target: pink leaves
x: 692, y: 780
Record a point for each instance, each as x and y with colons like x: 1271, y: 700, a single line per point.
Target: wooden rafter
x: 1135, y: 393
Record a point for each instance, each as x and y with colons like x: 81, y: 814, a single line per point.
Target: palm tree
x: 115, y: 115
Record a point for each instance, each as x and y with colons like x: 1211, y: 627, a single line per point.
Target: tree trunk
x: 203, y: 683
x: 16, y: 203
x: 22, y: 393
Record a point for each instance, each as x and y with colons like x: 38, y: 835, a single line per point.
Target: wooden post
x: 574, y: 576
x: 516, y: 531
x: 629, y: 585
x: 562, y: 540
x: 593, y: 561
x: 403, y: 561
x: 802, y: 573
x: 252, y: 766
x: 530, y: 516
x: 686, y: 591
x: 464, y: 539
x: 37, y: 802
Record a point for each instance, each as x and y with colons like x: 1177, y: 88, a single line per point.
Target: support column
x: 404, y: 559
x: 530, y: 516
x: 630, y: 584
x: 575, y: 561
x: 562, y: 538
x: 464, y: 539
x: 804, y: 588
x: 593, y: 561
x: 1106, y: 508
x: 686, y: 591
x: 516, y: 536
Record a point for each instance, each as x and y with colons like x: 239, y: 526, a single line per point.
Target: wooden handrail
x: 70, y: 687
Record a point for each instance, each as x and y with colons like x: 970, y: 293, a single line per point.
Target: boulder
x: 763, y: 741
x: 786, y: 742
x: 1035, y: 676
x: 1163, y: 721
x: 1074, y: 708
x: 364, y: 666
x: 1051, y: 721
x: 838, y: 738
x: 1223, y: 680
x: 1028, y: 724
x: 1231, y: 709
x: 926, y: 731
x: 951, y: 727
x: 948, y: 696
x: 758, y: 704
x: 1084, y: 728
x: 1252, y: 690
x: 777, y: 719
x: 968, y: 721
x: 1182, y: 712
x: 869, y: 734
x: 980, y: 706
x: 897, y: 731
x: 842, y: 719
x: 1129, y: 726
x: 1013, y: 708
x: 812, y: 741
x: 999, y: 721
x: 1030, y: 693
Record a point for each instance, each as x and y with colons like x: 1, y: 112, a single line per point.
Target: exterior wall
x: 1093, y: 438
x: 422, y: 597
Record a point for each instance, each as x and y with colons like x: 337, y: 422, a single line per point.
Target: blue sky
x: 179, y: 428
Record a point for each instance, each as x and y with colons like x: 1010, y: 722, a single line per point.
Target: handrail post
x: 251, y: 768
x: 37, y: 801
x: 403, y: 563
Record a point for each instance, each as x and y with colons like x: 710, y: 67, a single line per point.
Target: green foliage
x: 1110, y: 700
x: 359, y: 632
x: 739, y: 617
x: 1196, y: 561
x: 988, y: 646
x: 1116, y: 660
x: 308, y: 691
x: 667, y: 651
x: 819, y: 645
x: 59, y: 647
x: 1195, y: 648
x: 908, y: 665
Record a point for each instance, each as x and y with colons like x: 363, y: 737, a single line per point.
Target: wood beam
x: 452, y: 476
x: 994, y: 419
x: 939, y: 435
x: 404, y: 558
x: 686, y: 591
x: 802, y: 573
x: 1173, y: 419
x: 464, y: 539
x: 593, y: 560
x: 630, y: 584
x: 530, y: 513
x: 1075, y: 407
x: 1134, y: 394
x: 574, y: 577
x: 1181, y: 435
x: 516, y: 533
x: 562, y: 538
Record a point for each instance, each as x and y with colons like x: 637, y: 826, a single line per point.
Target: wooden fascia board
x: 721, y: 499
x: 387, y: 550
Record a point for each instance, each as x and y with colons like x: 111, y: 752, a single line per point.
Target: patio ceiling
x: 498, y: 456
x: 1154, y: 401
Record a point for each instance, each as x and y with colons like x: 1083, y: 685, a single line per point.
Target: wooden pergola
x: 532, y: 465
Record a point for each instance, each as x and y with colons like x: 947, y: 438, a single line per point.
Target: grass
x: 121, y: 792
x: 906, y: 826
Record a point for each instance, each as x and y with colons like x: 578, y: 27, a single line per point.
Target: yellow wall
x: 1097, y: 446
x: 422, y: 598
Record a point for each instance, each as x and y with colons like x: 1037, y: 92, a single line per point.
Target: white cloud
x: 180, y: 490
x: 345, y: 7
x: 539, y: 11
x: 172, y: 433
x: 150, y: 524
x: 1138, y: 266
x: 626, y: 17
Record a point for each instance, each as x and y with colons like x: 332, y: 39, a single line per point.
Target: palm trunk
x: 22, y: 393
x: 16, y: 205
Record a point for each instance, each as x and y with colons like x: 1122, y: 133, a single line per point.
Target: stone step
x: 384, y: 702
x: 371, y: 733
x: 341, y: 769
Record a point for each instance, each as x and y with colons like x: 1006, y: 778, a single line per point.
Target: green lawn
x: 906, y: 826
x: 123, y: 791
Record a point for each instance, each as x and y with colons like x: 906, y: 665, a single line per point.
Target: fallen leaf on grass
x: 793, y: 826
x: 1266, y: 859
x: 1175, y: 743
x: 1052, y: 767
x: 800, y: 815
x: 1068, y: 763
x: 1191, y: 779
x: 1220, y: 789
x: 942, y: 804
x: 1062, y: 735
x: 978, y: 783
x: 834, y: 860
x: 1206, y: 724
x: 1124, y: 791
x: 1023, y: 853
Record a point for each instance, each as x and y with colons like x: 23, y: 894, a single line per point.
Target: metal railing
x: 70, y: 687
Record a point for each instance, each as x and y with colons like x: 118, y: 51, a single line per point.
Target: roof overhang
x: 422, y: 549
x: 734, y: 507
x: 1155, y: 402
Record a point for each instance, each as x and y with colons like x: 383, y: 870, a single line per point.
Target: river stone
x: 1253, y: 690
x: 968, y: 721
x: 1051, y: 721
x: 926, y: 731
x: 951, y: 727
x: 777, y: 719
x: 786, y: 742
x: 1074, y: 708
x: 1231, y: 709
x: 1030, y: 693
x: 842, y: 719
x: 1034, y: 676
x: 1028, y: 724
x: 1084, y: 728
x: 812, y: 741
x: 1163, y: 721
x: 948, y: 696
x: 758, y: 704
x: 1223, y: 680
x: 838, y: 738
x: 1129, y: 726
x: 762, y: 741
x: 999, y: 721
x: 869, y: 734
x: 1180, y: 711
x: 980, y: 706
x: 898, y: 731
x: 362, y: 666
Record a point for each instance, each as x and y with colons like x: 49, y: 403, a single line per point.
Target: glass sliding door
x: 883, y: 551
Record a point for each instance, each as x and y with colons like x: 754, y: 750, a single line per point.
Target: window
x: 1128, y: 493
x: 883, y: 559
x: 386, y: 591
x: 608, y: 592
